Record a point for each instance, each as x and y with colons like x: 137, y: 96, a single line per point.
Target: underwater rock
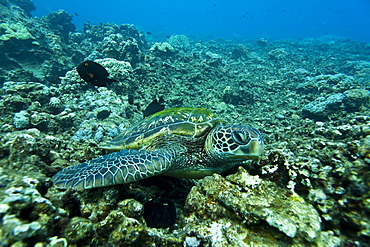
x: 213, y: 59
x: 26, y: 215
x: 321, y: 107
x: 66, y: 119
x: 26, y: 5
x: 163, y: 49
x: 40, y: 120
x: 30, y: 91
x: 61, y: 23
x: 180, y: 42
x: 55, y: 106
x: 33, y: 51
x: 341, y: 131
x: 277, y: 53
x: 78, y: 231
x: 30, y: 151
x: 105, y: 227
x: 355, y: 98
x: 219, y: 208
x: 57, y: 242
x: 115, y: 46
x: 237, y: 96
x: 191, y: 241
x: 337, y: 83
x: 131, y: 208
x: 93, y: 130
x: 27, y: 230
x: 118, y: 70
x: 364, y: 148
x: 15, y: 31
x: 127, y: 31
x: 122, y: 42
x: 262, y: 42
x: 129, y: 232
x: 240, y: 52
x: 68, y: 82
x: 14, y: 103
x: 118, y: 229
x: 21, y: 120
x: 35, y: 101
x: 76, y: 37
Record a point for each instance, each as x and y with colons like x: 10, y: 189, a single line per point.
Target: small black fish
x: 76, y: 14
x: 154, y: 107
x: 148, y: 33
x: 94, y: 74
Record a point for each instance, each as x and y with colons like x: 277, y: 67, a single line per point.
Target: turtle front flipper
x: 121, y: 167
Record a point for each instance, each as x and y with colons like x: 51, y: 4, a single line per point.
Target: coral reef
x: 26, y: 214
x: 50, y: 36
x: 310, y: 188
x: 265, y: 213
x: 180, y: 42
x: 14, y: 31
x: 163, y: 49
x: 27, y: 5
x: 60, y: 22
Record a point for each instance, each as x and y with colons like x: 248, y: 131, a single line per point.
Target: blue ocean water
x: 284, y: 19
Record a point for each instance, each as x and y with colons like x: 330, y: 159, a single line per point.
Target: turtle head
x: 233, y: 143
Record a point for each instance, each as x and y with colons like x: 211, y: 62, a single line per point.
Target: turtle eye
x: 240, y: 137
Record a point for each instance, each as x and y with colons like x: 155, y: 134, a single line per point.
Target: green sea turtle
x: 180, y: 142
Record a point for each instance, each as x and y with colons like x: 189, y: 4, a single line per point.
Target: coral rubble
x: 309, y: 97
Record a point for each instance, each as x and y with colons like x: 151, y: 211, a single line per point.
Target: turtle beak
x: 253, y: 150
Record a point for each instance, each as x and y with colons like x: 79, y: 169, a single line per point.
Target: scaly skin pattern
x: 125, y: 166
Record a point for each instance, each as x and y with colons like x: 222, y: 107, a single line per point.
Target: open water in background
x: 283, y: 19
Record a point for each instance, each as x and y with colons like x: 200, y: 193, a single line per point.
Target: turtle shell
x: 184, y: 121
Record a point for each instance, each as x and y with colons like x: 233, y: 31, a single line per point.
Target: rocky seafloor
x: 310, y: 98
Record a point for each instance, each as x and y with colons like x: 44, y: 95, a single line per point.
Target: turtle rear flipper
x: 121, y: 167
